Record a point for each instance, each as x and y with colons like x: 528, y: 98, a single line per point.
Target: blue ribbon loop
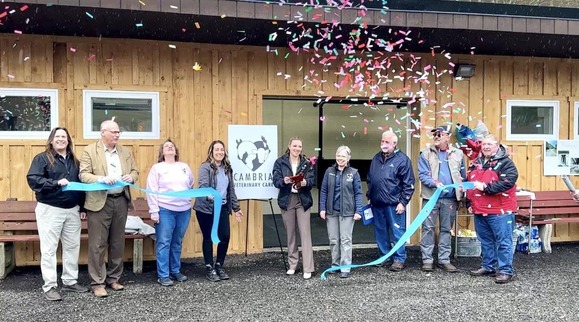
x: 414, y: 226
x: 191, y: 193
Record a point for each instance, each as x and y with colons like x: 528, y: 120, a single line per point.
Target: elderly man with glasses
x: 107, y: 162
x: 440, y: 164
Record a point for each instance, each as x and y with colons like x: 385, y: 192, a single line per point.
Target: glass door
x: 323, y: 130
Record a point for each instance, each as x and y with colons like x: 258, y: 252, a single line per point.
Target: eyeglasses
x: 438, y: 134
x: 115, y: 132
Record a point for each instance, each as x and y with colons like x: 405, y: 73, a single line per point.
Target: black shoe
x: 221, y: 272
x: 211, y: 274
x: 482, y: 272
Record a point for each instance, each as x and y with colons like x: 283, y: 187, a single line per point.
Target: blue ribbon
x: 414, y: 226
x: 191, y: 193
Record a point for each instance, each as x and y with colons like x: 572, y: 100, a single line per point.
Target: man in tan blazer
x: 107, y: 162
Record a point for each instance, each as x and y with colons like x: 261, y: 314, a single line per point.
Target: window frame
x: 554, y: 104
x: 33, y: 92
x: 87, y: 109
x: 576, y: 120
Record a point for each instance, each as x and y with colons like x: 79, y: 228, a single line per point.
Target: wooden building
x: 75, y: 45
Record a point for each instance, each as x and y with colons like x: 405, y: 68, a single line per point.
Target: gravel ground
x: 546, y: 289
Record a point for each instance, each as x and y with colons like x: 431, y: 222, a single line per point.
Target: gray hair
x: 346, y: 149
x: 491, y: 137
x: 391, y: 135
x: 105, y: 124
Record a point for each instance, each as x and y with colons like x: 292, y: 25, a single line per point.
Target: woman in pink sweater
x: 171, y: 214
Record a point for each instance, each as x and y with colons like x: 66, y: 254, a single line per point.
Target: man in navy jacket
x: 390, y: 188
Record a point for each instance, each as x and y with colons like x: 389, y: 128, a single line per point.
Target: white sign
x: 252, y: 152
x: 561, y: 157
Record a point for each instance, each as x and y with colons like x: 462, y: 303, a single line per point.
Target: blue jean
x: 386, y: 223
x: 495, y: 233
x: 170, y: 230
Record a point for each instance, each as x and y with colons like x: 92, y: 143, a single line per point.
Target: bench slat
x: 555, y: 194
x: 556, y: 221
x: 32, y: 238
x: 31, y: 225
x: 23, y: 216
x: 550, y: 211
x: 17, y: 206
x: 18, y: 226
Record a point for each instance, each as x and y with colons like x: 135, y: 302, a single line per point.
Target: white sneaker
x: 307, y: 276
x: 290, y: 272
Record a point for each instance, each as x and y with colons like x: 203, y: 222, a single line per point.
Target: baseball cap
x: 442, y: 128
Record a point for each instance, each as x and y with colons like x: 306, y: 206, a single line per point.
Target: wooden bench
x: 18, y: 224
x: 547, y: 208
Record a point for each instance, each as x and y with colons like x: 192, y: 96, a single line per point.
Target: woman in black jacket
x: 293, y: 175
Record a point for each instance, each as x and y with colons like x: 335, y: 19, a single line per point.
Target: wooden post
x: 7, y: 259
x: 138, y: 256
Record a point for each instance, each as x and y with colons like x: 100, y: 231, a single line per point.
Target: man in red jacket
x: 493, y: 202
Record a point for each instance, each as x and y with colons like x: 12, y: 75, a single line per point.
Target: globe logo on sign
x: 252, y: 154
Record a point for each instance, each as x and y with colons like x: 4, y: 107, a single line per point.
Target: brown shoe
x: 448, y: 267
x: 397, y: 267
x: 427, y: 267
x: 503, y: 278
x: 481, y: 272
x: 116, y: 286
x: 100, y: 292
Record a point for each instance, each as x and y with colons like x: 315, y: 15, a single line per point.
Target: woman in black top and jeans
x: 216, y: 173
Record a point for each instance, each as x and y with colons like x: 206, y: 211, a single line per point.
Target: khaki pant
x: 106, y: 232
x: 56, y: 224
x: 340, y: 230
x: 296, y: 219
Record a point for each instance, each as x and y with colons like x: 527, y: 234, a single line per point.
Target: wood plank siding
x: 197, y: 106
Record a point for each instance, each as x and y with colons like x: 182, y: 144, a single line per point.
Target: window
x: 137, y: 113
x: 27, y: 112
x: 360, y: 127
x: 529, y: 120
